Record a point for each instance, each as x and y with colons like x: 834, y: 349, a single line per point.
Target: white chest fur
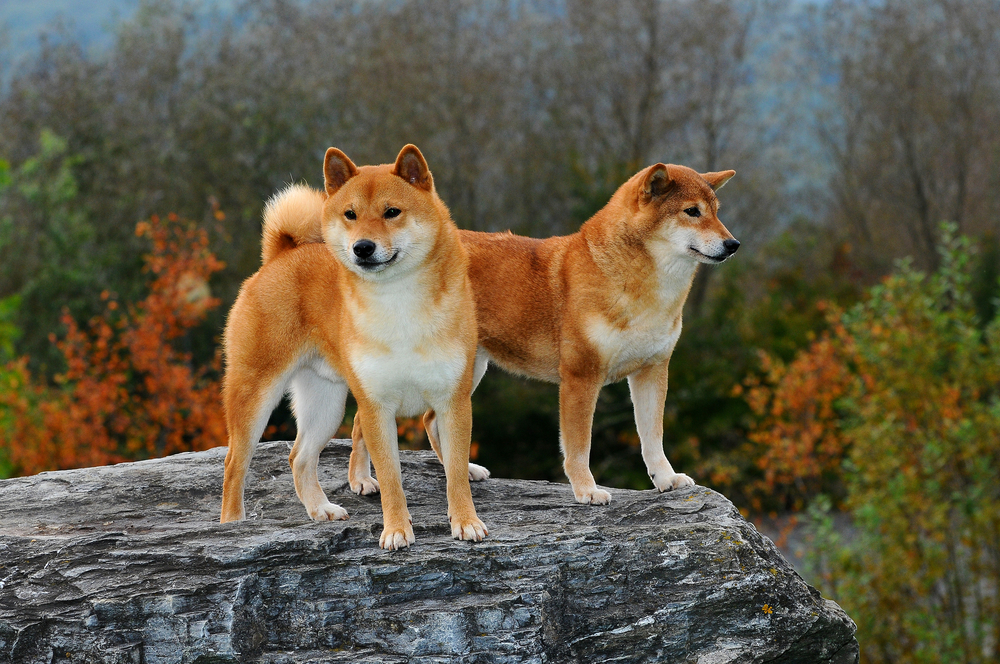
x: 406, y: 356
x: 648, y: 332
x: 647, y: 338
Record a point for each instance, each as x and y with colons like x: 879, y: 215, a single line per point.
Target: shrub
x: 129, y: 391
x: 908, y: 393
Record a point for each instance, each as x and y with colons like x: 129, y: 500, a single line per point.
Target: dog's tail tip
x: 292, y: 217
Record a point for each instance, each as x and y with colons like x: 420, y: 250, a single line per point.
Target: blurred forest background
x: 843, y: 368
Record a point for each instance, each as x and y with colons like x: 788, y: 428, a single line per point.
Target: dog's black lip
x: 371, y: 265
x: 717, y: 259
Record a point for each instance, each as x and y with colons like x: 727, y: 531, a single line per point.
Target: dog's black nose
x: 730, y: 245
x: 365, y: 248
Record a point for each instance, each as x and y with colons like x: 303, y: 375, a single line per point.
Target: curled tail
x: 292, y: 217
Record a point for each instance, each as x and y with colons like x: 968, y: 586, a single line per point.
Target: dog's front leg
x: 379, y: 429
x: 648, y: 387
x: 577, y: 400
x: 455, y: 431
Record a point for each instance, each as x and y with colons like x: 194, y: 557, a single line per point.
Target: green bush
x: 921, y: 572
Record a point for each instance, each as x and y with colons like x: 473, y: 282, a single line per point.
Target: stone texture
x: 128, y: 563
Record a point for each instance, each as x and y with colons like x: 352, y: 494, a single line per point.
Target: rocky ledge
x: 128, y: 563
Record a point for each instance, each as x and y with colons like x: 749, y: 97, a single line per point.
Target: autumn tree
x: 129, y: 390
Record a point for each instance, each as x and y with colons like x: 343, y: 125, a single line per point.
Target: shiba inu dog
x: 589, y: 309
x: 364, y: 287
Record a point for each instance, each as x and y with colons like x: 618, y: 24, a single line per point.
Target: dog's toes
x: 669, y: 482
x: 478, y: 473
x: 366, y: 486
x: 593, y: 496
x: 393, y: 539
x: 471, y: 530
x: 328, y: 512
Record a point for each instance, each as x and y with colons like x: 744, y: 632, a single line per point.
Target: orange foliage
x: 127, y: 392
x: 800, y: 440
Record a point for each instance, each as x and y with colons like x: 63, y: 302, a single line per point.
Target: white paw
x: 670, y: 481
x: 472, y: 530
x: 592, y: 496
x: 366, y: 486
x: 328, y: 512
x: 478, y: 473
x: 396, y: 538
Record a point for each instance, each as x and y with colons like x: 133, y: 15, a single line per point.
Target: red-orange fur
x: 310, y: 306
x: 602, y: 304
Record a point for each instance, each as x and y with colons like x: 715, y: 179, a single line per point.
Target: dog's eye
x: 693, y: 212
x: 391, y: 213
x: 350, y: 215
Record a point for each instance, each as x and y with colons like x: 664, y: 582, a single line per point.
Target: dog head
x: 676, y: 210
x: 380, y: 221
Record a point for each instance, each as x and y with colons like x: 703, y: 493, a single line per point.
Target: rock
x: 128, y: 563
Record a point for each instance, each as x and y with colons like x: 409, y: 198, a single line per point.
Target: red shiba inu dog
x: 589, y: 309
x: 364, y: 288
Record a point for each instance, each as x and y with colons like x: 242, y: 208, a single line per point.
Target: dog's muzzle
x: 368, y: 257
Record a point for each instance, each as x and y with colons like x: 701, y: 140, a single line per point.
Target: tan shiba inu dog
x: 589, y: 309
x: 364, y: 288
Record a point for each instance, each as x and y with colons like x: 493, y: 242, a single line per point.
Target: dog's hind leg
x: 248, y: 408
x: 477, y: 473
x: 648, y: 387
x: 359, y: 470
x: 318, y: 404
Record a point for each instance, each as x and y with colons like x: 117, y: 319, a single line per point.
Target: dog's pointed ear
x: 337, y: 169
x: 412, y: 167
x: 717, y: 179
x: 656, y: 182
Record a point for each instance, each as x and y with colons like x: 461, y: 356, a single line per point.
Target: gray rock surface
x: 128, y: 563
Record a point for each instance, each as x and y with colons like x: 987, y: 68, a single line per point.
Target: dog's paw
x: 394, y: 538
x: 670, y: 481
x: 478, y: 473
x: 592, y: 496
x: 328, y: 512
x: 366, y: 486
x: 470, y: 529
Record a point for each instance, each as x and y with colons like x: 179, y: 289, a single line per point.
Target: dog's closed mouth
x: 375, y: 265
x: 714, y: 259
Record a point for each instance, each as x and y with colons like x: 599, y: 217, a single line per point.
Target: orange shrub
x: 127, y: 392
x: 799, y: 441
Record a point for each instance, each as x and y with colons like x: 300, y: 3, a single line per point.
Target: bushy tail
x: 292, y: 217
